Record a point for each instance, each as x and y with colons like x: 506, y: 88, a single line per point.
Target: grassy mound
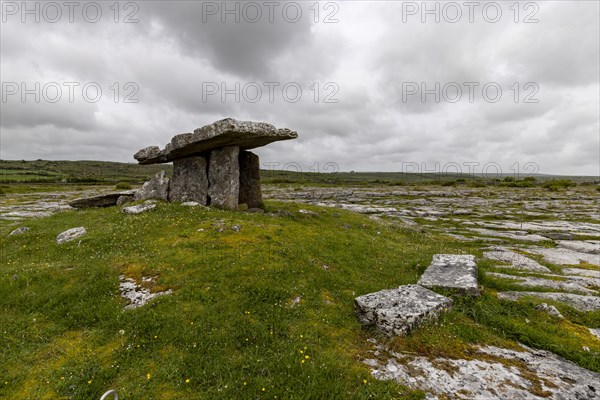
x: 265, y: 311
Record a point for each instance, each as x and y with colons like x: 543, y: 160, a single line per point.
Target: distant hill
x: 107, y: 172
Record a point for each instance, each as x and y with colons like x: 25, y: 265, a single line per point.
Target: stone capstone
x: 150, y: 155
x: 70, y: 234
x: 250, y: 193
x: 401, y: 310
x: 190, y: 180
x: 156, y: 188
x: 224, y: 177
x: 223, y: 133
x: 452, y: 271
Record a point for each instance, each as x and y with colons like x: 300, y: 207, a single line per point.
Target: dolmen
x: 212, y: 166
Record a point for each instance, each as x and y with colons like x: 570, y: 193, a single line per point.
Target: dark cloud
x: 363, y: 63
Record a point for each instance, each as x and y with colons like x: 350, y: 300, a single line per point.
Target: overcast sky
x: 383, y: 85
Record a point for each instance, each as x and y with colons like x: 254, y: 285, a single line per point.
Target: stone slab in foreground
x: 401, y: 310
x: 490, y: 373
x: 577, y: 301
x: 226, y: 132
x: 452, y: 271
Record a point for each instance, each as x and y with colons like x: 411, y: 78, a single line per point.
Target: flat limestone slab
x: 399, y: 311
x: 516, y: 260
x: 579, y: 302
x: 104, y: 200
x: 452, y: 271
x: 226, y: 132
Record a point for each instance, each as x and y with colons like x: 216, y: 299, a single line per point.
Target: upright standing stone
x: 190, y: 180
x: 156, y: 188
x: 250, y: 193
x: 224, y: 177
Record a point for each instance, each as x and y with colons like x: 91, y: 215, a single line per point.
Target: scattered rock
x: 579, y: 302
x: 595, y: 332
x: 399, y: 311
x: 452, y: 271
x: 296, y: 301
x: 255, y: 210
x: 190, y: 204
x: 137, y: 295
x: 19, y: 231
x: 308, y: 212
x: 236, y: 228
x: 70, y: 234
x: 156, y: 188
x: 516, y: 260
x: 549, y: 309
x: 140, y: 208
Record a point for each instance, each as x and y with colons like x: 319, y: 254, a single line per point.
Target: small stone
x: 401, y: 310
x: 308, y: 212
x: 124, y: 200
x: 19, y: 231
x: 137, y: 209
x: 255, y: 210
x: 452, y: 271
x: 585, y: 348
x: 190, y: 204
x: 296, y: 301
x: 549, y: 309
x: 236, y: 228
x: 70, y: 234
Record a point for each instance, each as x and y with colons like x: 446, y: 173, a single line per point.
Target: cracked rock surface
x: 399, y: 311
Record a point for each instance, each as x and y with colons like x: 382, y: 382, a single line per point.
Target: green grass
x: 229, y: 327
